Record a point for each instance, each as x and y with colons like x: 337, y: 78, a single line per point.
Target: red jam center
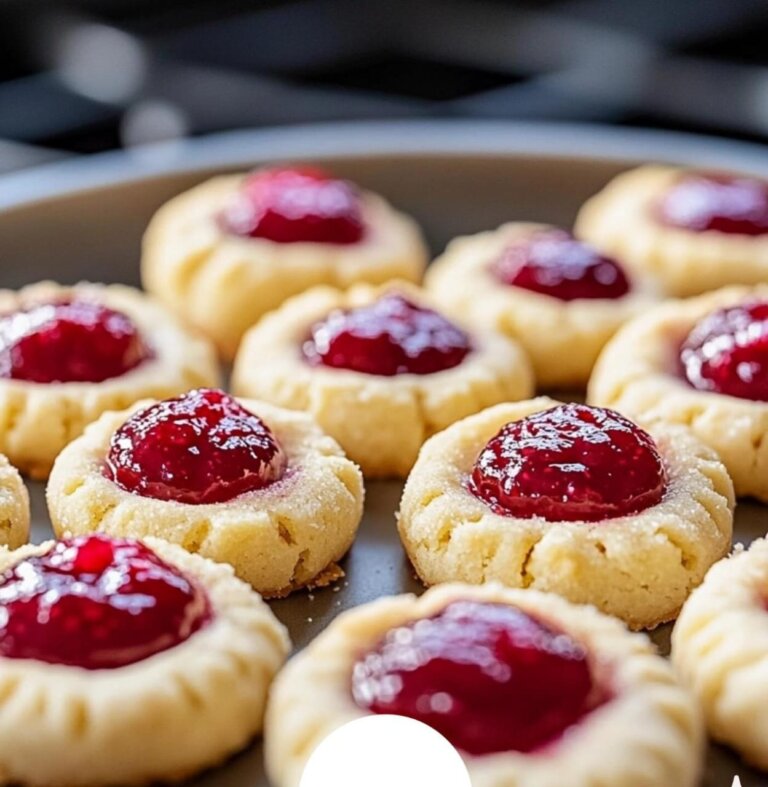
x: 388, y: 337
x: 570, y: 463
x: 202, y: 447
x: 97, y: 603
x: 298, y: 205
x: 554, y: 263
x: 488, y: 677
x: 727, y: 352
x: 717, y: 202
x: 67, y: 342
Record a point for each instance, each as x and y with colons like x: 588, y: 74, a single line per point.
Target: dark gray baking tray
x: 83, y: 220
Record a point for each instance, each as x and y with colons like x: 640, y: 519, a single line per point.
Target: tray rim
x: 446, y: 138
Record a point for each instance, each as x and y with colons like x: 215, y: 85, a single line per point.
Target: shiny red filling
x: 572, y: 463
x: 202, y: 447
x: 390, y: 336
x: 296, y: 205
x: 69, y: 341
x: 727, y: 352
x: 554, y: 263
x: 489, y: 677
x: 736, y: 205
x: 97, y: 603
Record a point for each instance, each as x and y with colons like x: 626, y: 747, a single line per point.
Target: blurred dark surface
x: 81, y: 77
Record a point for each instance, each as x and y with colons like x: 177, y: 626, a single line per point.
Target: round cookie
x: 700, y: 241
x: 14, y: 506
x: 562, y: 335
x: 719, y: 648
x: 285, y: 531
x: 639, y: 566
x: 639, y: 374
x: 223, y: 282
x: 37, y: 419
x: 380, y: 416
x: 182, y: 703
x: 647, y: 730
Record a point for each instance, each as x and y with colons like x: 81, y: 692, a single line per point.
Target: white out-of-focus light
x: 153, y: 120
x: 381, y: 751
x: 100, y: 62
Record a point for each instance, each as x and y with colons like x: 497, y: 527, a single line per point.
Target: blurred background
x: 82, y: 77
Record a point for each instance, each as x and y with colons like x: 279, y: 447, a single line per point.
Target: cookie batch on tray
x: 137, y: 647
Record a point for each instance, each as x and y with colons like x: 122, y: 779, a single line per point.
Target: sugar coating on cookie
x: 282, y: 535
x: 37, y: 419
x: 692, y: 231
x: 186, y: 708
x: 646, y: 731
x: 640, y: 566
x: 14, y: 506
x: 223, y: 282
x: 406, y: 385
x: 490, y: 280
x: 641, y: 373
x: 719, y: 648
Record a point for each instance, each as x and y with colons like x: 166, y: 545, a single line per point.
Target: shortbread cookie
x: 67, y: 354
x: 536, y: 284
x: 14, y: 506
x: 527, y: 686
x: 693, y: 231
x: 379, y: 369
x: 237, y: 246
x: 720, y: 649
x: 570, y: 499
x: 703, y: 363
x: 243, y: 483
x: 127, y: 663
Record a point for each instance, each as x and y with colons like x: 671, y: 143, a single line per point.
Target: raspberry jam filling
x: 489, y: 677
x: 390, y: 336
x: 570, y: 463
x: 735, y: 205
x: 69, y: 341
x: 296, y: 205
x: 202, y: 447
x: 97, y: 603
x: 727, y: 352
x: 554, y: 263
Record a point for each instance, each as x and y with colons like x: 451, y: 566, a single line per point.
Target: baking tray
x: 83, y: 220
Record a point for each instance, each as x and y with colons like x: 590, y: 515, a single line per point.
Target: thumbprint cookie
x: 379, y: 369
x: 237, y: 246
x: 127, y: 662
x: 693, y: 231
x: 557, y: 296
x: 244, y: 483
x: 703, y: 363
x: 571, y: 499
x: 720, y: 650
x: 524, y: 684
x: 67, y: 354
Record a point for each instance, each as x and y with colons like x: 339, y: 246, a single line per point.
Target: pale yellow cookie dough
x: 37, y: 420
x: 287, y: 535
x: 620, y: 221
x: 638, y: 374
x: 14, y: 506
x: 160, y: 719
x: 562, y: 338
x: 639, y: 567
x: 649, y: 733
x: 223, y: 283
x: 381, y: 422
x: 720, y: 649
